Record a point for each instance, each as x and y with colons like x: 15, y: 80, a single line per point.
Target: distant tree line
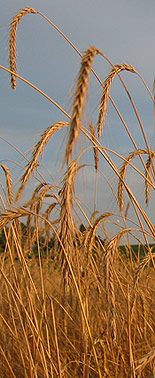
x: 46, y: 248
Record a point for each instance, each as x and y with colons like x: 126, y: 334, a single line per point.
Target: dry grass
x: 73, y: 304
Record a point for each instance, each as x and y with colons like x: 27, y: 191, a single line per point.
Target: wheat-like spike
x: 41, y: 198
x: 39, y: 202
x: 89, y: 238
x: 35, y: 205
x: 109, y: 284
x: 139, y: 271
x: 66, y: 229
x: 29, y: 203
x: 46, y: 216
x: 36, y: 191
x: 13, y: 34
x: 147, y: 170
x: 32, y: 204
x: 49, y: 209
x: 91, y: 233
x: 38, y: 149
x: 8, y: 182
x: 96, y: 155
x: 10, y: 215
x: 106, y: 89
x: 123, y: 173
x: 79, y: 98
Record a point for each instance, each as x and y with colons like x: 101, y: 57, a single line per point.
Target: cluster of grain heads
x: 95, y: 280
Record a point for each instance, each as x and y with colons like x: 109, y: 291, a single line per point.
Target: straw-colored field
x: 72, y: 303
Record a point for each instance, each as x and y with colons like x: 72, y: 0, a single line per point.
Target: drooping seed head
x: 79, y: 98
x: 13, y: 34
x: 105, y: 94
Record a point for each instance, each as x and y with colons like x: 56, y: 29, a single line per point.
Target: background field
x: 77, y: 263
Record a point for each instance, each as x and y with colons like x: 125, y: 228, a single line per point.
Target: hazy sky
x: 122, y: 30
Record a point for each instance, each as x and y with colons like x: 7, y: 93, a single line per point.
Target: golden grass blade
x: 8, y: 182
x: 38, y: 149
x: 13, y: 34
x: 79, y: 98
x: 106, y: 90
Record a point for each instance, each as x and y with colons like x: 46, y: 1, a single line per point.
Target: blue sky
x: 122, y: 30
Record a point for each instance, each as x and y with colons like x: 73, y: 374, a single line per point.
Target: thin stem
x: 37, y: 89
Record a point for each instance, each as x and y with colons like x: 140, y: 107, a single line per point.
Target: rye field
x: 77, y: 283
